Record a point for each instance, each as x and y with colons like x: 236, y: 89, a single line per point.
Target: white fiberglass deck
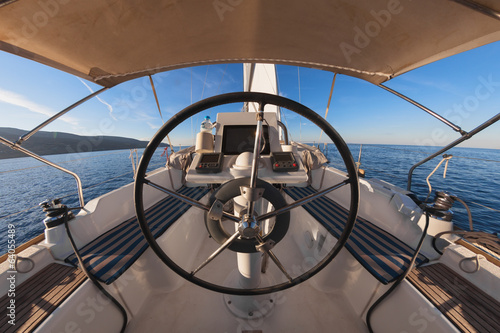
x: 193, y: 309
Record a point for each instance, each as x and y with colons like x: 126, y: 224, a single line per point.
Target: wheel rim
x: 262, y: 99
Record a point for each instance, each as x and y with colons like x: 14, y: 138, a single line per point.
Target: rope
x: 92, y: 277
x: 328, y: 105
x: 358, y: 163
x: 469, y: 214
x: 493, y: 209
x: 487, y: 240
x: 134, y: 161
x: 445, y: 158
x: 156, y: 96
x: 159, y: 109
x: 401, y: 278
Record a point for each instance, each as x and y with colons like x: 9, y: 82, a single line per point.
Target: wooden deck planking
x: 41, y: 294
x: 466, y: 306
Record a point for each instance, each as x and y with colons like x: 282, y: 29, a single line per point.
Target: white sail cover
x: 111, y: 41
x: 260, y: 78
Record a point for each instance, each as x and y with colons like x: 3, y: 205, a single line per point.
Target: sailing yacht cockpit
x: 234, y: 141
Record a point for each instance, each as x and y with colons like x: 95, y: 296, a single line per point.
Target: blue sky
x: 465, y: 88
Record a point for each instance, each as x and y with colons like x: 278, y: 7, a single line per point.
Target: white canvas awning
x: 111, y: 41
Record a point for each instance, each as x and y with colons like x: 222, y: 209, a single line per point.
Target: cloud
x: 106, y: 104
x: 16, y: 99
x: 152, y: 125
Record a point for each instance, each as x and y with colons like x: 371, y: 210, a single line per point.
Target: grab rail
x: 467, y: 136
x: 17, y: 147
x: 285, y: 131
x: 57, y: 115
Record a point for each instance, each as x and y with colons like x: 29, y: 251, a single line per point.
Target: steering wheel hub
x: 248, y: 227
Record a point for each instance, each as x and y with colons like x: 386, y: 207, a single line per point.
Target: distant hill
x: 50, y: 143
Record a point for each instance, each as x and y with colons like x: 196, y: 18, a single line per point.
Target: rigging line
x: 220, y: 83
x: 156, y: 97
x: 105, y: 181
x: 95, y: 185
x: 203, y: 90
x: 422, y: 152
x: 328, y: 105
x: 204, y: 83
x: 476, y: 158
x: 21, y: 211
x: 400, y: 149
x: 73, y: 193
x: 45, y: 165
x: 282, y: 113
x: 222, y: 78
x: 159, y: 110
x: 493, y: 209
x: 269, y: 78
x: 370, y: 169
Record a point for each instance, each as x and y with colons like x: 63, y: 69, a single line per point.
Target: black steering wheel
x: 247, y: 239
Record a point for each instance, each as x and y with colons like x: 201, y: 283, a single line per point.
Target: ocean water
x: 473, y: 175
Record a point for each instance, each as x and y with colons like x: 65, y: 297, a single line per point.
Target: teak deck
x: 37, y: 297
x: 466, y: 306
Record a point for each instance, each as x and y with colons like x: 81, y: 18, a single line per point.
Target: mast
x: 260, y: 78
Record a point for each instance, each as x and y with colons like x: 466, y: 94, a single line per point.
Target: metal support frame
x: 426, y: 109
x: 479, y: 8
x: 256, y: 154
x: 285, y: 131
x: 15, y: 146
x: 58, y: 115
x: 467, y: 136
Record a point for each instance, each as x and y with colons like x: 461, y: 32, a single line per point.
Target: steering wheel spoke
x: 188, y: 200
x: 224, y: 246
x: 265, y: 247
x: 302, y: 201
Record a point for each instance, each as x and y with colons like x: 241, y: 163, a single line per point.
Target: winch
x: 55, y: 211
x: 441, y: 207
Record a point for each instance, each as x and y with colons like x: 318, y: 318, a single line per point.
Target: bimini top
x: 111, y: 41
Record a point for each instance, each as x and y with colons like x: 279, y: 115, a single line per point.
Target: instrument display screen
x: 283, y: 158
x: 237, y: 139
x: 209, y: 158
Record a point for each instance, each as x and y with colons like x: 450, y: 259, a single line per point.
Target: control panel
x: 209, y: 163
x: 283, y: 162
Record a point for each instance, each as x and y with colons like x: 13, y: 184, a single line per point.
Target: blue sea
x: 472, y: 174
